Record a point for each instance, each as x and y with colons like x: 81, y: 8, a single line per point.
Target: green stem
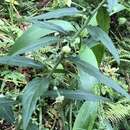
x: 70, y: 116
x: 40, y: 117
x: 76, y: 4
x: 19, y: 123
x: 87, y: 21
x: 58, y: 62
x: 11, y: 11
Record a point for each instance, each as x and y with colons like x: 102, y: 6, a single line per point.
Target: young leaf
x: 57, y: 13
x: 32, y: 92
x: 86, y: 116
x: 19, y: 61
x: 91, y: 70
x: 76, y: 95
x: 99, y: 35
x: 40, y: 43
x: 6, y: 111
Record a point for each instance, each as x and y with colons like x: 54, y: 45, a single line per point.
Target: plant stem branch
x: 87, y: 21
x: 77, y: 34
x: 58, y: 62
x: 40, y: 117
x: 70, y: 116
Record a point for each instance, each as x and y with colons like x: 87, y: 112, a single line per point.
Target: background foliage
x: 64, y: 65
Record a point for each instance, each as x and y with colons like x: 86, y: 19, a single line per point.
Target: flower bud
x: 66, y: 49
x: 122, y: 20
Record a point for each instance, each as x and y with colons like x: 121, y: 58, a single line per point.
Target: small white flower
x: 59, y: 99
x: 55, y: 88
x: 66, y: 49
x: 1, y: 95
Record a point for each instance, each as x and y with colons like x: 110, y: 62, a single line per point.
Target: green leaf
x: 114, y: 6
x: 19, y: 61
x: 103, y: 19
x: 95, y: 46
x: 93, y: 21
x: 90, y: 42
x: 67, y: 26
x: 34, y: 33
x: 40, y: 43
x: 100, y: 36
x: 57, y: 13
x: 76, y: 95
x: 88, y: 111
x: 108, y: 125
x: 32, y: 127
x: 99, y: 54
x: 68, y: 2
x: 55, y: 25
x: 6, y: 111
x: 87, y: 81
x: 86, y: 54
x: 29, y: 37
x: 86, y: 116
x: 32, y: 92
x: 48, y: 25
x: 91, y: 70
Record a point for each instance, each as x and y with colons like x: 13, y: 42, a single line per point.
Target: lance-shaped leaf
x: 103, y: 20
x: 34, y: 33
x: 108, y: 125
x: 48, y: 25
x: 87, y: 81
x: 76, y: 95
x: 91, y: 42
x: 40, y: 43
x: 31, y: 94
x: 57, y: 13
x: 67, y: 26
x: 91, y: 70
x: 6, y: 111
x: 114, y: 6
x: 32, y: 127
x: 19, y: 61
x: 30, y: 36
x: 99, y: 35
x: 88, y: 111
x: 86, y: 116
